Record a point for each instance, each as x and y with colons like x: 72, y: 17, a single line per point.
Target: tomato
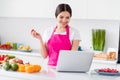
x: 0, y: 62
x: 8, y: 47
x: 2, y: 57
x: 108, y: 70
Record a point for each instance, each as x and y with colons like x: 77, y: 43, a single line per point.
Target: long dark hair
x: 63, y: 7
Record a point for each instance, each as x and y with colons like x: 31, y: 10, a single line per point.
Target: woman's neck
x: 60, y: 29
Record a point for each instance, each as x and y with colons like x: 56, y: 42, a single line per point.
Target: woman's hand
x: 36, y: 34
x: 43, y: 49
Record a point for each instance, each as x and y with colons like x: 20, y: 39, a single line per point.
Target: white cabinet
x: 82, y: 9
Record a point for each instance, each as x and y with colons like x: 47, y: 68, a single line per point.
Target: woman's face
x: 63, y: 18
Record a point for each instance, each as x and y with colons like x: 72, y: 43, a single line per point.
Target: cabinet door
x: 82, y: 9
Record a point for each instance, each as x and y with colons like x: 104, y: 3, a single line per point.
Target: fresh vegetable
x: 20, y: 61
x: 2, y: 57
x: 98, y: 39
x: 108, y: 70
x: 25, y: 48
x: 11, y: 56
x: 5, y: 46
x: 30, y: 68
x: 6, y: 57
x: 21, y: 68
x: 14, y: 66
x: 37, y: 68
x: 6, y: 66
x: 16, y: 60
x: 0, y: 62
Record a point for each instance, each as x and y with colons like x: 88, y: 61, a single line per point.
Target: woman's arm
x: 43, y: 49
x: 75, y: 44
x: 43, y: 46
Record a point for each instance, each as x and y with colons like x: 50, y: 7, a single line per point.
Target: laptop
x: 74, y: 61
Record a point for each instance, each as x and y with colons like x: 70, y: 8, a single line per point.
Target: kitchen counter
x: 36, y: 53
x: 32, y: 53
x: 32, y: 57
x: 52, y: 74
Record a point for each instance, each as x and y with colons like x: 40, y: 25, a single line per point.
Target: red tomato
x: 8, y: 47
x: 108, y: 70
x: 2, y: 57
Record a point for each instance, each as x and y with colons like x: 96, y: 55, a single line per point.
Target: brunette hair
x: 63, y: 7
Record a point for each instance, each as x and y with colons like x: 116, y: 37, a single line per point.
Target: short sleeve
x: 75, y: 35
x: 47, y: 34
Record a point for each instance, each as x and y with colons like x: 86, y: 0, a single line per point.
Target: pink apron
x: 56, y: 43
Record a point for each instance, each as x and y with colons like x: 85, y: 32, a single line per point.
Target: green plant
x: 98, y: 39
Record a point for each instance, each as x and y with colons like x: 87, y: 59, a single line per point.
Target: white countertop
x: 51, y: 74
x: 32, y: 53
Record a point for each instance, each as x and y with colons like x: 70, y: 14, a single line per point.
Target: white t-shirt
x: 74, y: 34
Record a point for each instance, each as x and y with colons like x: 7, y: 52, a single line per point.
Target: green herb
x: 98, y: 39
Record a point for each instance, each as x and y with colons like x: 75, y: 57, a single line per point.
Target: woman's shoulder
x: 74, y: 30
x: 49, y: 29
x: 74, y: 33
x: 47, y: 33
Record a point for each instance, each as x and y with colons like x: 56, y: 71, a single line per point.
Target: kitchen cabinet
x: 82, y: 9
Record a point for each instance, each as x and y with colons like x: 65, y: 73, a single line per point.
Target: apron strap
x: 67, y: 30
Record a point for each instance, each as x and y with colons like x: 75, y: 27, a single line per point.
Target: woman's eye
x: 67, y: 17
x: 61, y: 17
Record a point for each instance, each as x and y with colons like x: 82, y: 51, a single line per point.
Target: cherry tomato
x: 108, y: 70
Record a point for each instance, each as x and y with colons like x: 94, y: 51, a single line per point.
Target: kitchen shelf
x: 32, y: 53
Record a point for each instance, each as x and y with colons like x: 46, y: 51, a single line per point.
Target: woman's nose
x: 64, y: 20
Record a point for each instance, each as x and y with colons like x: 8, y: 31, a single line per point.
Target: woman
x: 60, y: 37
